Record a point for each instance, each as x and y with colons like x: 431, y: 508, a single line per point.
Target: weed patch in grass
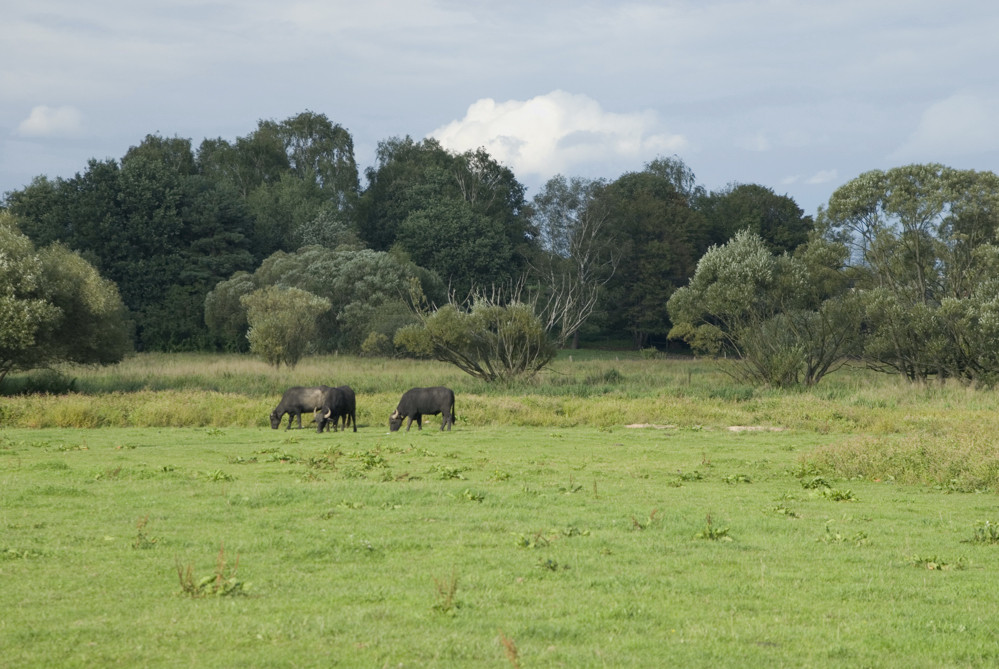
x: 222, y: 583
x: 713, y: 532
x: 837, y: 495
x: 446, y: 595
x: 143, y: 540
x: 21, y: 553
x: 934, y: 563
x: 782, y: 510
x: 985, y: 532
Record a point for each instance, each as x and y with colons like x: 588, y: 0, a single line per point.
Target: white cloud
x: 551, y: 133
x: 47, y: 121
x: 962, y: 124
x: 823, y: 177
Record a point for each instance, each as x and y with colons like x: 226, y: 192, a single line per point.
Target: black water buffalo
x: 337, y: 403
x: 294, y: 402
x: 418, y: 401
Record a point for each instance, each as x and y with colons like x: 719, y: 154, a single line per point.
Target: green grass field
x: 158, y: 521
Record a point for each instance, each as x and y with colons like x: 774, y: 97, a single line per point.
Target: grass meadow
x: 618, y: 511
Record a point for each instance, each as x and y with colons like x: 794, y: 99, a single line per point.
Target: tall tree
x: 164, y: 234
x: 406, y: 177
x: 659, y: 236
x: 246, y: 164
x: 322, y: 152
x: 295, y: 175
x: 923, y: 242
x: 461, y: 215
x: 777, y: 219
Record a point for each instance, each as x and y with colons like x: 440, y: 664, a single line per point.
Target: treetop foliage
x: 462, y: 216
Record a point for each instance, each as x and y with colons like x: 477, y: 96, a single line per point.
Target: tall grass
x: 939, y: 434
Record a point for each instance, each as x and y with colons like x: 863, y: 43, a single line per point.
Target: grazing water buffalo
x: 296, y: 400
x: 337, y: 403
x: 418, y: 401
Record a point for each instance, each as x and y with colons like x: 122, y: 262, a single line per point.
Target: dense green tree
x: 247, y: 163
x: 295, y: 176
x: 924, y: 250
x: 462, y: 216
x: 281, y: 209
x: 282, y: 323
x: 407, y: 176
x: 163, y: 233
x: 659, y: 237
x: 174, y: 154
x: 777, y: 219
x: 457, y: 242
x: 225, y: 314
x: 55, y: 307
x: 321, y: 152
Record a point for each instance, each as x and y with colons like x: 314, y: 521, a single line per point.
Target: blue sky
x: 800, y: 96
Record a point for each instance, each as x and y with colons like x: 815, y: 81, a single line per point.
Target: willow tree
x: 925, y: 254
x: 782, y: 319
x: 491, y: 339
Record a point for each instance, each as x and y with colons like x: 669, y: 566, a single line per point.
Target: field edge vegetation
x: 880, y: 426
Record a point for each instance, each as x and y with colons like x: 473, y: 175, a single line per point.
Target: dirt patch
x: 653, y: 426
x: 754, y: 428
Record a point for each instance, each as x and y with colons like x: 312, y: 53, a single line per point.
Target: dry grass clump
x: 169, y: 408
x: 960, y: 458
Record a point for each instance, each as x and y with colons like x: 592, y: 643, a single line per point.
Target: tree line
x: 241, y: 244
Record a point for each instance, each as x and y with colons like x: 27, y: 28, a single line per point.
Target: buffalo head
x: 395, y: 421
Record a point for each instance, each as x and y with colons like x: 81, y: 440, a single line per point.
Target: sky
x: 800, y: 96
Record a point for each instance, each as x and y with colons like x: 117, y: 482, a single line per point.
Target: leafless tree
x: 580, y: 254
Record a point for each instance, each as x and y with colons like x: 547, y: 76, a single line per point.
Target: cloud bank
x: 552, y: 133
